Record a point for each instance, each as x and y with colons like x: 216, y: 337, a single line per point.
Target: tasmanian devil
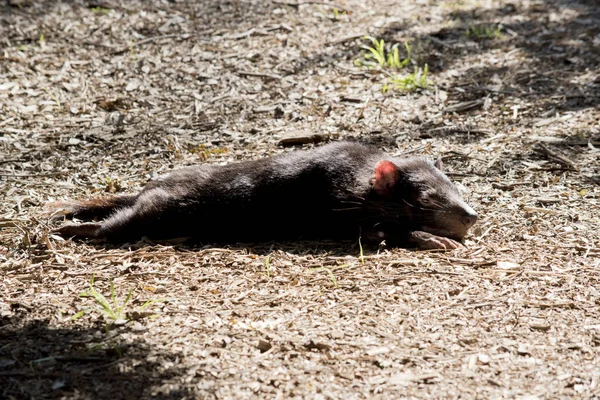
x: 341, y: 190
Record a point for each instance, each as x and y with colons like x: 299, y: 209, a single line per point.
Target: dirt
x: 99, y: 97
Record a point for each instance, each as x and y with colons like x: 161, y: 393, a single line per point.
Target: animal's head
x: 419, y: 190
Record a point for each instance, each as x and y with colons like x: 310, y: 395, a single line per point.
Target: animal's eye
x: 425, y: 200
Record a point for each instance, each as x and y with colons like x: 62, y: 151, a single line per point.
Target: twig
x: 540, y: 210
x: 259, y: 74
x: 559, y: 158
x: 438, y: 41
x: 464, y: 106
x: 30, y: 175
x: 242, y: 35
x: 460, y: 129
x: 344, y: 39
x: 8, y: 160
x: 318, y: 3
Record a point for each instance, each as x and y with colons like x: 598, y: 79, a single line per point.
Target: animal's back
x: 292, y: 195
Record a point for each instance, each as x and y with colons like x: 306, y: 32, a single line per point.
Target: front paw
x: 428, y: 241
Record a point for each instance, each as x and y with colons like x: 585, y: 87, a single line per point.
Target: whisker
x: 351, y: 202
x: 436, y: 210
x: 407, y: 203
x: 347, y: 209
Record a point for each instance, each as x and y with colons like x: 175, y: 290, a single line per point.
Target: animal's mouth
x: 454, y: 224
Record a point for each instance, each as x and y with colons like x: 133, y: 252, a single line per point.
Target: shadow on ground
x: 206, y: 14
x: 556, y: 51
x: 39, y: 361
x: 316, y: 248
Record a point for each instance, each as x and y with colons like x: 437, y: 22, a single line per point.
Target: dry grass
x: 99, y: 100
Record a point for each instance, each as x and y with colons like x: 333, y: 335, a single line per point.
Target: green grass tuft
x: 376, y: 56
x: 113, y: 310
x: 409, y: 83
x: 484, y: 32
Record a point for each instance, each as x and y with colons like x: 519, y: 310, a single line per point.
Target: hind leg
x: 121, y: 227
x: 124, y: 226
x: 149, y: 216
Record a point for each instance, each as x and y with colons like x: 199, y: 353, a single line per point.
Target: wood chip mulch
x: 98, y: 97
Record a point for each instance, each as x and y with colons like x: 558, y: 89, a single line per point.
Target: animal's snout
x: 469, y: 218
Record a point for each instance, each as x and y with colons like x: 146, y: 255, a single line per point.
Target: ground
x: 98, y: 97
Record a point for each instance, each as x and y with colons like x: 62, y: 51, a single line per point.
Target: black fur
x: 326, y: 192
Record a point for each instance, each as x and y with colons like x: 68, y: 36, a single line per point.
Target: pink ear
x: 386, y: 174
x: 438, y: 163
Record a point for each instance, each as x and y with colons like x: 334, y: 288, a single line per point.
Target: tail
x: 91, y: 209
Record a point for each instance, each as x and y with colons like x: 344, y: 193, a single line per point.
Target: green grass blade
x: 376, y: 55
x: 78, y: 315
x: 149, y: 303
x: 331, y: 276
x: 103, y: 302
x: 112, y: 293
x: 119, y: 311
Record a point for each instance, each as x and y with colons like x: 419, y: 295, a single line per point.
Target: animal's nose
x: 469, y: 218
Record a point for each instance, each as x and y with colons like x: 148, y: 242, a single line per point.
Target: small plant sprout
x: 114, y: 311
x: 112, y: 185
x: 54, y: 97
x: 331, y: 276
x: 393, y: 57
x: 131, y: 51
x: 377, y: 52
x: 484, y: 32
x: 329, y: 271
x: 337, y: 14
x: 42, y: 41
x: 100, y: 10
x: 410, y: 83
x: 205, y: 152
x: 377, y: 56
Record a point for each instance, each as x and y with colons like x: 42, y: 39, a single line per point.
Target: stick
x: 559, y: 158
